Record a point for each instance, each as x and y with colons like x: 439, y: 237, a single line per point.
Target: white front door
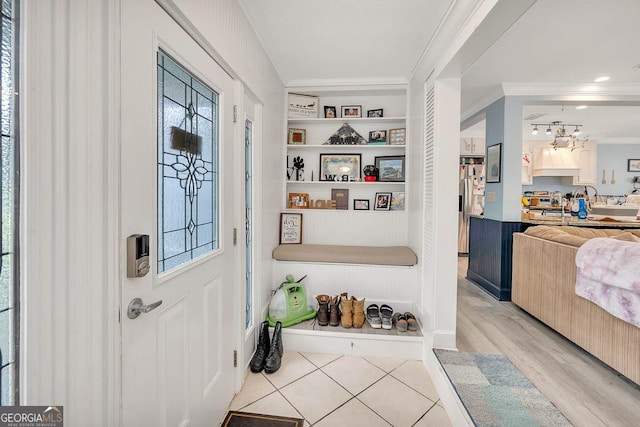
x: 177, y: 181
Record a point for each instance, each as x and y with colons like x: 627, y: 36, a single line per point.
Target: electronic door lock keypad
x: 138, y: 255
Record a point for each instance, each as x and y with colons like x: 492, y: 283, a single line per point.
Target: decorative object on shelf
x: 341, y: 196
x: 322, y: 204
x: 295, y: 172
x: 633, y: 165
x: 613, y: 176
x: 360, y: 204
x: 494, y: 163
x: 370, y: 173
x: 297, y: 136
x: 290, y: 228
x: 604, y: 179
x: 397, y: 201
x: 298, y: 200
x: 383, y: 202
x: 378, y: 136
x: 302, y: 106
x: 375, y: 113
x: 351, y: 111
x: 397, y: 136
x: 330, y: 112
x: 345, y: 135
x: 340, y: 167
x: 391, y: 168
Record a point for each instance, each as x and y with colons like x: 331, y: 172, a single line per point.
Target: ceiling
x: 553, y: 42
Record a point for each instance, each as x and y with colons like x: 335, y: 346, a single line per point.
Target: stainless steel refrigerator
x: 470, y: 198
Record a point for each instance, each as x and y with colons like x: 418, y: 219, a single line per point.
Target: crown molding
x: 382, y: 81
x: 618, y: 141
x: 578, y: 91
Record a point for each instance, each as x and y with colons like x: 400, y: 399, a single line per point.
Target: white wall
x: 70, y: 247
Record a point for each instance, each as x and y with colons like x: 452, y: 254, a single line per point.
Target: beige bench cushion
x: 374, y: 255
x: 577, y: 236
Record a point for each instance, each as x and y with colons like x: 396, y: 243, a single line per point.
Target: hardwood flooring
x: 585, y: 390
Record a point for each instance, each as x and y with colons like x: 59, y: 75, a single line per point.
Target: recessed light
x: 601, y: 79
x: 581, y: 107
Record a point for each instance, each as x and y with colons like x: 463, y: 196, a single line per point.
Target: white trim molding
x: 577, y: 91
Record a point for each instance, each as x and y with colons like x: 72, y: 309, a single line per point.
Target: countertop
x: 583, y: 223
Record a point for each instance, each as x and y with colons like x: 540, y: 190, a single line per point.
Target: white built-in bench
x: 339, y: 254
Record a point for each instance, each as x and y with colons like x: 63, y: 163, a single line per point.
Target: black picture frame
x: 375, y: 113
x: 330, y: 112
x: 351, y: 111
x: 382, y: 201
x: 360, y: 204
x: 379, y: 136
x: 494, y: 163
x: 390, y: 168
x: 633, y: 165
x: 340, y: 167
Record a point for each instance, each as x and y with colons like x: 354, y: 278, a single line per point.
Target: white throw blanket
x: 609, y: 276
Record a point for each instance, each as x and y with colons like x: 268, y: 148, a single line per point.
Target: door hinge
x: 235, y: 358
x: 235, y: 113
x: 235, y: 237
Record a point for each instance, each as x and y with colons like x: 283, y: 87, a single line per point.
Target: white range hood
x: 554, y: 162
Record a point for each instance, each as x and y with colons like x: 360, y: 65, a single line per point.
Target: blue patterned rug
x: 496, y: 393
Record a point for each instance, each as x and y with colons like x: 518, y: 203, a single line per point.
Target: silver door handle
x: 136, y: 307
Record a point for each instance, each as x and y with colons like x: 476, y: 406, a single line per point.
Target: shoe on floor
x: 386, y: 312
x: 373, y: 316
x: 400, y: 320
x: 412, y: 323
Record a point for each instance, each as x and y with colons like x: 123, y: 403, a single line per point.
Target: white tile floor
x: 333, y: 390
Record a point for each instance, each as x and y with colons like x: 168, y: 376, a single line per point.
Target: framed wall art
x: 361, y: 204
x: 383, y: 202
x: 302, y: 106
x: 375, y: 113
x: 378, y: 136
x: 351, y: 111
x: 494, y: 159
x: 397, y: 136
x: 341, y: 197
x: 298, y: 200
x: 330, y: 112
x: 290, y: 228
x: 633, y: 165
x: 390, y: 168
x: 340, y: 167
x: 297, y: 136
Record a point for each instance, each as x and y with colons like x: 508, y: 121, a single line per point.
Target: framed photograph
x: 390, y: 168
x: 633, y: 165
x: 397, y: 136
x: 298, y: 200
x: 340, y: 167
x: 360, y: 204
x: 383, y: 202
x: 378, y: 136
x: 341, y: 196
x: 330, y: 112
x: 302, y: 106
x: 494, y: 159
x: 351, y: 111
x: 297, y: 136
x: 397, y: 201
x: 374, y: 113
x: 290, y: 228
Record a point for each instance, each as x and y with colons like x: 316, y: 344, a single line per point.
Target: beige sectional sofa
x: 543, y: 284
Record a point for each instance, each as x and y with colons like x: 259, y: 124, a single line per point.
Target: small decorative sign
x: 322, y: 204
x: 302, y: 106
x: 290, y: 228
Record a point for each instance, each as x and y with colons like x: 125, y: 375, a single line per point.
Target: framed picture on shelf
x: 297, y: 136
x: 298, y: 200
x: 341, y: 197
x: 378, y: 136
x: 397, y: 136
x: 302, y: 106
x: 397, y: 201
x: 494, y: 159
x: 290, y: 228
x: 383, y: 202
x: 360, y: 204
x: 390, y: 168
x: 340, y: 167
x: 374, y: 113
x: 351, y: 111
x: 330, y: 112
x: 633, y: 165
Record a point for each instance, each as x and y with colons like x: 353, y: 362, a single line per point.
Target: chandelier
x: 563, y: 138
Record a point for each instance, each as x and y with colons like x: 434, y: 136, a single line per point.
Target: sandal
x: 400, y: 320
x: 386, y: 312
x: 412, y: 323
x: 373, y: 316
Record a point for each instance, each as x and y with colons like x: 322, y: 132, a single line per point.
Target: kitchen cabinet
x: 472, y: 146
x: 586, y: 158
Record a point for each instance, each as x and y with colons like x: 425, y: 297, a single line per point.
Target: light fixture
x: 535, y: 130
x: 577, y: 131
x: 562, y: 137
x: 601, y: 79
x: 548, y: 132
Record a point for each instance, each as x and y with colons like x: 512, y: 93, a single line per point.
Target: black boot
x: 260, y: 356
x: 275, y: 354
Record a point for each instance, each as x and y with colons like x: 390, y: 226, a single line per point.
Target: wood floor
x: 585, y: 390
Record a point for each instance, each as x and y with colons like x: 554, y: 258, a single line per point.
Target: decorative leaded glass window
x: 187, y: 166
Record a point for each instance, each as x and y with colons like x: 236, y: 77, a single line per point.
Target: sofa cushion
x: 627, y: 237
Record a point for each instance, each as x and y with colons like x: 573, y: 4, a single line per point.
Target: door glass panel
x: 248, y: 137
x: 187, y: 166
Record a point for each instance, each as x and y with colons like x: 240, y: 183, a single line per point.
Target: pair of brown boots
x: 340, y: 309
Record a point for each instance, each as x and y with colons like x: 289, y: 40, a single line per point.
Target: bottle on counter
x: 582, y: 209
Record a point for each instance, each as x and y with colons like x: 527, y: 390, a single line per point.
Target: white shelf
x: 344, y: 211
x: 346, y: 182
x: 346, y: 119
x: 344, y: 146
